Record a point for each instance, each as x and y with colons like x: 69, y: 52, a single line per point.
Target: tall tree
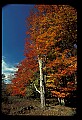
x: 49, y: 48
x: 53, y: 29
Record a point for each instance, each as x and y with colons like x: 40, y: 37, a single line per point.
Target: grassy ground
x: 16, y: 106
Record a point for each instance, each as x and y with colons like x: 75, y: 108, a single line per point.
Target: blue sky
x: 13, y: 35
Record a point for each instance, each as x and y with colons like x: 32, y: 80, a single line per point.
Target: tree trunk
x: 42, y: 90
x: 75, y: 79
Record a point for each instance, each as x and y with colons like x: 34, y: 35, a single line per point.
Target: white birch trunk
x: 42, y: 90
x: 75, y: 80
x: 61, y: 101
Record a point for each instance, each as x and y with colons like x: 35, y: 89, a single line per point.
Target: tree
x: 53, y: 29
x: 26, y: 71
x: 49, y: 48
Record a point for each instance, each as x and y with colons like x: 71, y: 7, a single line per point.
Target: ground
x: 20, y: 106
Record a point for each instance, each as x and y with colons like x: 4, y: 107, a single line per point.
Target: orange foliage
x: 51, y: 31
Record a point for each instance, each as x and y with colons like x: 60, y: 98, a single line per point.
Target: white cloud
x: 7, y: 69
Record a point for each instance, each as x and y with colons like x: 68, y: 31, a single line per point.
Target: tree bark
x: 42, y: 89
x: 75, y: 79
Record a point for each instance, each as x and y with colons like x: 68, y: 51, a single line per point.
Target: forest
x: 46, y: 80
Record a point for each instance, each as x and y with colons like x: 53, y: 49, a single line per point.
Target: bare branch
x: 36, y: 88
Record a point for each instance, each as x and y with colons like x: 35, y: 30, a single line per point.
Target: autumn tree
x: 26, y: 72
x: 53, y: 29
x: 51, y: 48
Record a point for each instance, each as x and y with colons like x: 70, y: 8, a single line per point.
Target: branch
x: 36, y: 88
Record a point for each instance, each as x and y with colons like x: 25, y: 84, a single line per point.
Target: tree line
x: 50, y: 62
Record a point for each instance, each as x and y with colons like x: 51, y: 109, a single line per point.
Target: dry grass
x: 15, y: 108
